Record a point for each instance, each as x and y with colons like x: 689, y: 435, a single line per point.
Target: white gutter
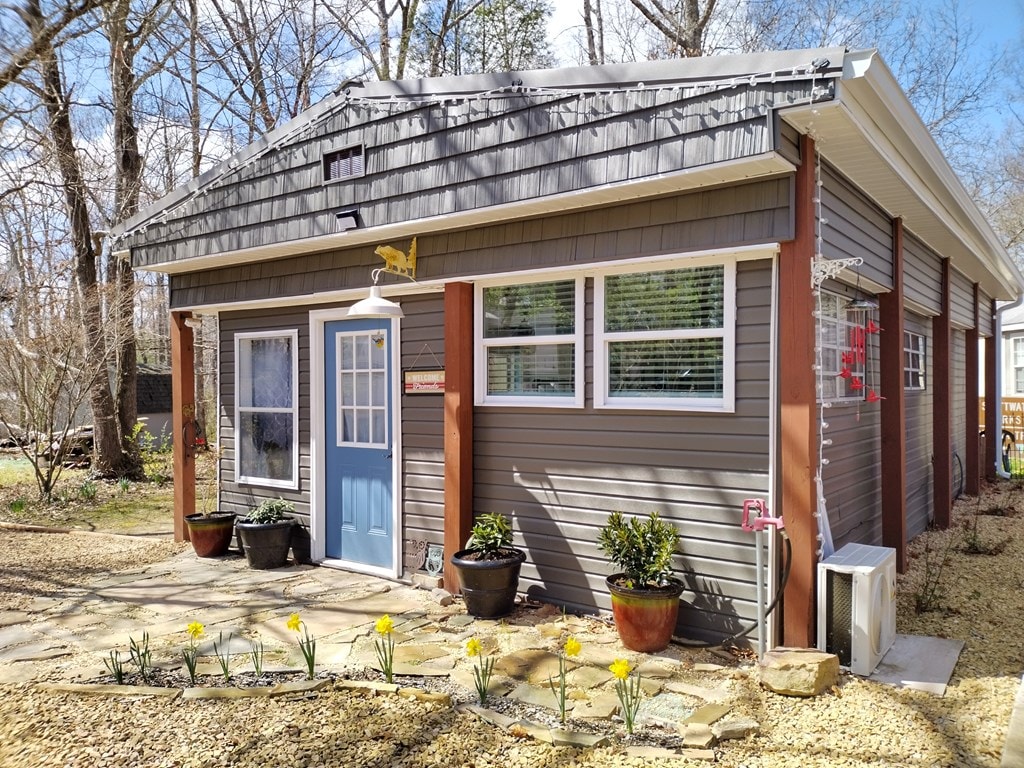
x: 997, y: 438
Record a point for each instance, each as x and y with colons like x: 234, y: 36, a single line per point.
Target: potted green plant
x: 210, y: 530
x: 488, y: 567
x: 645, y: 595
x: 266, y: 533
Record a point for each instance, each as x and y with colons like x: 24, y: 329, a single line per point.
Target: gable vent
x: 344, y: 163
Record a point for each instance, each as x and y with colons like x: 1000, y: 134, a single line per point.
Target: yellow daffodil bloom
x: 294, y: 622
x: 620, y: 668
x: 384, y: 625
x: 572, y: 646
x: 473, y: 647
x: 195, y: 630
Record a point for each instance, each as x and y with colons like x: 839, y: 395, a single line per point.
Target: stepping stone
x: 38, y: 651
x: 530, y: 664
x: 664, y: 709
x: 601, y: 707
x: 588, y: 677
x: 414, y: 653
x: 226, y: 693
x: 16, y: 635
x: 419, y: 670
x: 463, y: 677
x: 488, y: 715
x: 111, y: 690
x: 654, y: 670
x: 579, y: 740
x: 13, y: 618
x: 164, y: 598
x: 735, y: 728
x: 713, y: 695
x: 17, y: 673
x: 708, y: 714
x: 460, y: 620
x: 297, y: 687
x: 538, y: 697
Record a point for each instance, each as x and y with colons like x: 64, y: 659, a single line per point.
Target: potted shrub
x: 645, y: 595
x: 266, y: 533
x: 488, y: 567
x: 210, y: 531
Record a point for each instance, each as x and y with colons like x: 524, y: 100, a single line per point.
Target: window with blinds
x: 531, y: 339
x: 663, y: 339
x: 344, y: 163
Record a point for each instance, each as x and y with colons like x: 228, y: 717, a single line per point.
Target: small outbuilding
x: 666, y: 286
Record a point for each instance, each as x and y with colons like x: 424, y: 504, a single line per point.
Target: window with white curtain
x: 266, y: 408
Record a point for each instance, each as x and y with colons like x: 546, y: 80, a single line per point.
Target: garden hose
x: 771, y: 606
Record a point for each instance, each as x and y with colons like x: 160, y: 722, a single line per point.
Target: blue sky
x: 997, y: 22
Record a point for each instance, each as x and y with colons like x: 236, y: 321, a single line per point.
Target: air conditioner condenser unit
x: 857, y: 605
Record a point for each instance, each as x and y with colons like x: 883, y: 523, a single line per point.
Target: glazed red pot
x: 211, y: 534
x: 645, y: 618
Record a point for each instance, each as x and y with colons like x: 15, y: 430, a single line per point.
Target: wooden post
x: 183, y: 406
x: 797, y: 406
x: 458, y: 423
x: 893, y: 428
x: 942, y: 407
x: 972, y: 467
x: 993, y: 420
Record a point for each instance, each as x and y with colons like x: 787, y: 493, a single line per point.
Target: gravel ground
x: 976, y: 597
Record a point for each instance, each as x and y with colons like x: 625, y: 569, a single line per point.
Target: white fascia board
x: 869, y: 89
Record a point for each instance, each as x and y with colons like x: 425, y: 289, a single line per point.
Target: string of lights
x: 391, y: 105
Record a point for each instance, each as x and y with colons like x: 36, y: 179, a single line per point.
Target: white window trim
x: 481, y: 345
x: 241, y: 479
x: 1015, y: 341
x: 921, y: 353
x: 826, y: 373
x: 724, y: 404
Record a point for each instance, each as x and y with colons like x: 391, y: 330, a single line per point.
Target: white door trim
x: 318, y: 442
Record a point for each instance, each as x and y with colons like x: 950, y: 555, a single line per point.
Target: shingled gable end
x: 637, y: 282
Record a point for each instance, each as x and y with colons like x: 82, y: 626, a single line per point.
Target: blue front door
x: 359, y: 512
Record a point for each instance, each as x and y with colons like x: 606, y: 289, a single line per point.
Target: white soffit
x: 872, y: 135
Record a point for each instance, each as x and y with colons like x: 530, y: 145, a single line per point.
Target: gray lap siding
x: 558, y: 473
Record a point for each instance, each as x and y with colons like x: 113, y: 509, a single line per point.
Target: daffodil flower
x: 481, y: 670
x: 195, y: 630
x: 619, y: 668
x: 294, y: 622
x: 627, y: 690
x: 572, y: 646
x: 384, y: 625
x: 385, y: 646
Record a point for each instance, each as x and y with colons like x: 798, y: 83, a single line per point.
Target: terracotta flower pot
x: 645, y: 618
x: 211, y: 534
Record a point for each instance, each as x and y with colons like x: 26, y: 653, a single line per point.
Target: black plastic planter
x: 488, y: 586
x: 265, y: 544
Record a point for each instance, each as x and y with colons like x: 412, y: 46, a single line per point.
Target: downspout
x: 997, y: 335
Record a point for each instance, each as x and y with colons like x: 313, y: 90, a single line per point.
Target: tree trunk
x: 105, y: 432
